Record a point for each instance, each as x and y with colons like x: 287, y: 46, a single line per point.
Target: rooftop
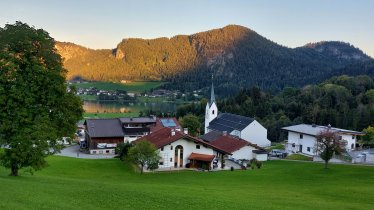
x: 229, y: 122
x: 314, y: 130
x: 227, y: 142
x: 104, y: 128
x: 164, y: 137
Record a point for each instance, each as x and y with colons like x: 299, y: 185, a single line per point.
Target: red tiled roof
x: 163, y: 137
x: 202, y: 157
x: 231, y: 144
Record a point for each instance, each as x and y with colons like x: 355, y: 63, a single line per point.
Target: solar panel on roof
x: 168, y: 123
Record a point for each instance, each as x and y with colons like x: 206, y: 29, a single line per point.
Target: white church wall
x: 211, y: 113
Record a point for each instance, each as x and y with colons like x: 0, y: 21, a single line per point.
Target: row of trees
x: 346, y: 102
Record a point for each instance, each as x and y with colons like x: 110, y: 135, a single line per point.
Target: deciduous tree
x: 36, y: 110
x: 145, y: 154
x: 328, y: 144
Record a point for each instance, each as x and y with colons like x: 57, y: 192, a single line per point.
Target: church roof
x: 229, y: 122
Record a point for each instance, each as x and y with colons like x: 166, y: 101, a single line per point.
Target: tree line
x: 344, y: 102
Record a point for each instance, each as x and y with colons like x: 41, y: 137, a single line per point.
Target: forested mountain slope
x: 237, y: 56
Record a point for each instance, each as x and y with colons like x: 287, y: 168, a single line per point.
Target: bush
x: 255, y: 163
x: 122, y: 149
x: 259, y: 164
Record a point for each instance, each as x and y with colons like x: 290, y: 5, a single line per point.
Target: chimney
x: 185, y: 130
x: 172, y: 132
x: 224, y: 133
x: 329, y: 126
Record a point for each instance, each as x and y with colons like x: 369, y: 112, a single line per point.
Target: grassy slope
x: 109, y: 184
x: 136, y: 87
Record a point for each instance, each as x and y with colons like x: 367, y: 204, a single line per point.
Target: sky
x: 103, y: 24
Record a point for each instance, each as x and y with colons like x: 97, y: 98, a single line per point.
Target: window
x: 101, y: 152
x: 293, y: 145
x: 171, y: 159
x: 161, y: 163
x: 340, y: 137
x: 162, y: 148
x: 353, y: 137
x: 212, y: 111
x: 107, y: 151
x: 301, y: 136
x: 308, y: 149
x: 197, y: 146
x: 94, y: 152
x: 171, y: 147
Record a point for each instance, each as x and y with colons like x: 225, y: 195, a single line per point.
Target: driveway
x: 73, y: 151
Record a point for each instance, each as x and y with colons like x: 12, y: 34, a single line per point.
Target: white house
x: 302, y: 137
x: 243, y: 127
x: 177, y: 149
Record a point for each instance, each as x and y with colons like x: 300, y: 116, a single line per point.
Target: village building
x: 177, y: 149
x: 243, y: 127
x: 103, y: 135
x: 238, y: 148
x: 302, y: 138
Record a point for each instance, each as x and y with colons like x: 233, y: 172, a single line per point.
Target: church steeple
x: 211, y: 110
x: 212, y: 97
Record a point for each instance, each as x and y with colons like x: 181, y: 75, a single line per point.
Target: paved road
x: 73, y: 151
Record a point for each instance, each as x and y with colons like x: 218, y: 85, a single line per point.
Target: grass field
x: 135, y: 87
x: 70, y: 183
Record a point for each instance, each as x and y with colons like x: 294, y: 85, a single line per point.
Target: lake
x: 116, y: 106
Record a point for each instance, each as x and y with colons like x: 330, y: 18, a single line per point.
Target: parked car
x: 278, y: 153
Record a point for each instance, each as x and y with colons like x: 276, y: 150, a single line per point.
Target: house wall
x: 306, y: 141
x: 243, y: 153
x: 93, y: 149
x: 254, y: 133
x: 261, y: 157
x: 350, y: 141
x: 168, y: 154
x: 310, y: 141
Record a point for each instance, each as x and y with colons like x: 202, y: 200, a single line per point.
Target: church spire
x: 212, y: 97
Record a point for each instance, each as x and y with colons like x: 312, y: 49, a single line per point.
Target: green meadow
x: 135, y: 87
x: 69, y: 183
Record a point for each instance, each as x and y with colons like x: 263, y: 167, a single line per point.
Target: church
x: 242, y: 127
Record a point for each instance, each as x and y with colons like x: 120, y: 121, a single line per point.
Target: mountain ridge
x: 237, y: 56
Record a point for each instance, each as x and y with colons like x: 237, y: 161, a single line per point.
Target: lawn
x: 135, y: 87
x: 70, y: 183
